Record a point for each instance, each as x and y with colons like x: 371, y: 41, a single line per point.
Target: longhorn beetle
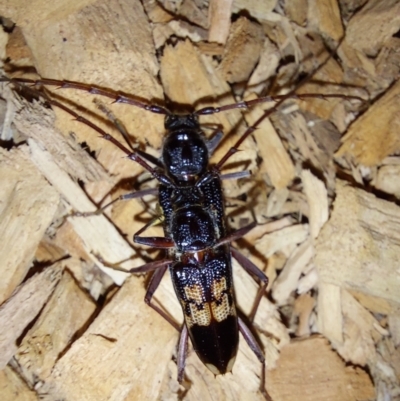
x: 197, y: 244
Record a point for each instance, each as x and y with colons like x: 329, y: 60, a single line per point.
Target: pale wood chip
x: 219, y: 14
x: 387, y: 180
x: 303, y: 308
x: 359, y: 246
x: 12, y: 385
x: 242, y: 50
x: 116, y: 357
x: 330, y: 318
x: 287, y: 282
x: 27, y: 208
x: 325, y: 16
x: 373, y: 25
x: 23, y: 306
x: 374, y: 135
x: 309, y: 370
x: 317, y: 198
x: 359, y: 332
x: 283, y: 240
x: 66, y: 313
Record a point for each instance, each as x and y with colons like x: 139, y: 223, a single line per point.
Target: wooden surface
x: 324, y: 190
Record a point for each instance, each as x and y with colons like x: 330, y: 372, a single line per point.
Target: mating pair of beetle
x: 198, y: 250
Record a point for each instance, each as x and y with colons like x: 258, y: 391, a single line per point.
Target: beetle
x: 196, y: 238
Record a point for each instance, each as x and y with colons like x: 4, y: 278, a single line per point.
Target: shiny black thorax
x: 193, y: 214
x: 194, y: 219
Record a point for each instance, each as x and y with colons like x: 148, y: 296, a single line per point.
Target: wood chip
x: 310, y: 370
x: 330, y: 319
x: 276, y: 160
x: 303, y: 309
x: 258, y: 10
x: 282, y: 240
x: 374, y: 24
x: 28, y: 206
x: 287, y: 282
x: 12, y: 386
x: 359, y: 332
x: 317, y: 199
x: 219, y: 14
x: 374, y: 135
x: 23, y: 307
x: 387, y: 180
x: 242, y: 50
x: 342, y: 257
x: 325, y: 16
x: 123, y: 337
x: 66, y: 313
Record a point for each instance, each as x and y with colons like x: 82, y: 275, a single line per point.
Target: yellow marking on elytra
x: 194, y: 293
x: 220, y: 307
x: 200, y: 312
x: 201, y: 317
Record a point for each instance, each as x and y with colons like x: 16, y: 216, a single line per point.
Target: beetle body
x: 202, y: 272
x: 205, y: 291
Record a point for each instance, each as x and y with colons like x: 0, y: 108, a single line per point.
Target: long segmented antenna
x: 279, y: 99
x: 247, y: 104
x: 131, y: 154
x: 115, y: 96
x: 134, y: 155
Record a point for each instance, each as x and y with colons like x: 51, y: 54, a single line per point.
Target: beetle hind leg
x: 254, y: 346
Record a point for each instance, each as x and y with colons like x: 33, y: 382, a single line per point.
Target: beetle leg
x: 153, y: 285
x: 155, y: 242
x: 130, y: 195
x: 115, y: 96
x: 182, y: 351
x: 236, y: 234
x: 131, y: 154
x: 253, y: 344
x: 213, y: 143
x: 236, y: 176
x: 253, y: 270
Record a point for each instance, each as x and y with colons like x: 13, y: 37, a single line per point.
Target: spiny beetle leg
x: 182, y: 352
x: 147, y: 267
x: 155, y: 242
x: 115, y: 96
x: 128, y: 196
x: 159, y: 267
x: 253, y: 270
x: 131, y: 154
x: 253, y: 344
x: 153, y: 285
x: 236, y: 175
x: 125, y: 134
x: 213, y: 143
x: 151, y: 266
x: 236, y: 234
